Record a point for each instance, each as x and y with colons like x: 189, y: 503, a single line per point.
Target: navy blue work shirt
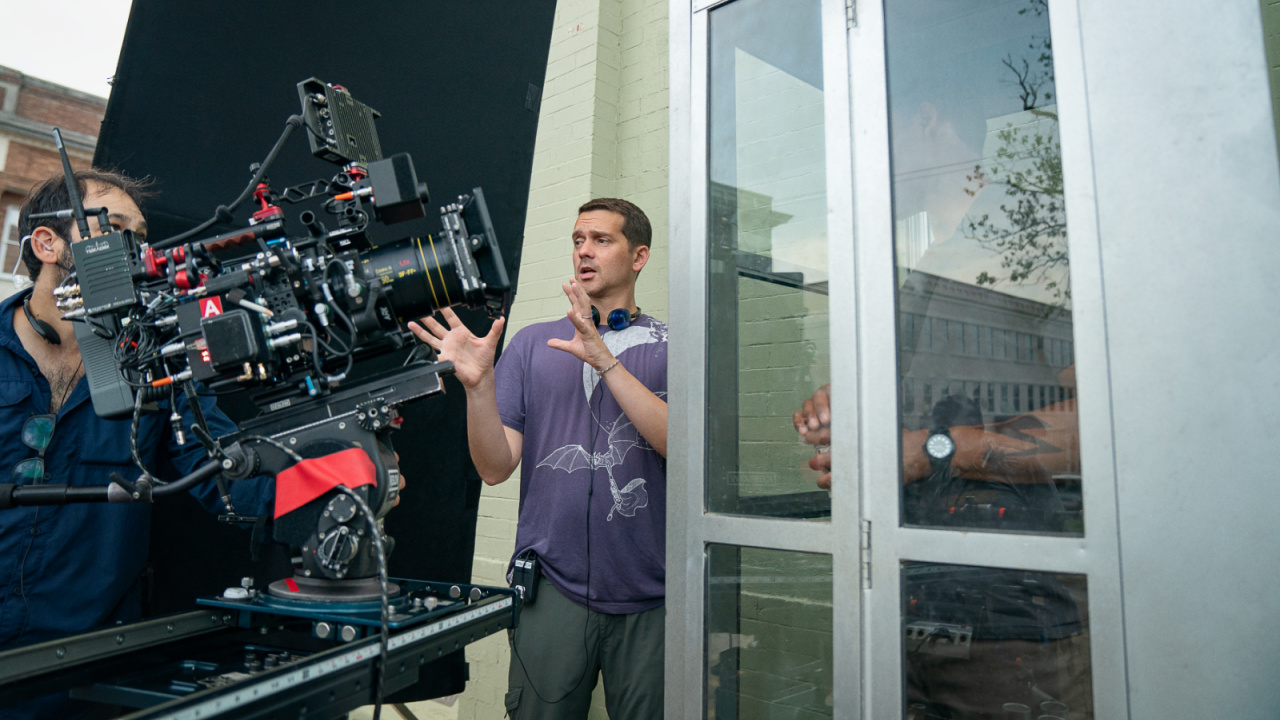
x: 71, y: 568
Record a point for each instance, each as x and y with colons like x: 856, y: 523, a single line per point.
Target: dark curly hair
x: 51, y: 195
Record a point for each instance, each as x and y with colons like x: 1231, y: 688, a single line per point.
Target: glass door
x: 886, y: 212
x: 763, y: 600
x: 992, y: 516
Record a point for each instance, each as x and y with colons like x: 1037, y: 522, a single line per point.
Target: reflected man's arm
x: 1028, y: 448
x: 1025, y: 448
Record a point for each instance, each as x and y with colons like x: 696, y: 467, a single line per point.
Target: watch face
x: 939, y: 446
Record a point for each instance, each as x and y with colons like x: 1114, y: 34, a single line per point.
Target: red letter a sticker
x: 210, y: 307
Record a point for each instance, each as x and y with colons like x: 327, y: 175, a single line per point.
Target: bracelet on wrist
x: 600, y: 373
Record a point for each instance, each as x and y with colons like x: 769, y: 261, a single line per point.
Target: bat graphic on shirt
x: 571, y: 458
x: 622, y: 439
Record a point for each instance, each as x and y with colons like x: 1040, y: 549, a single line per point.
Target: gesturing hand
x: 813, y: 419
x: 813, y: 422
x: 472, y: 356
x: 587, y: 345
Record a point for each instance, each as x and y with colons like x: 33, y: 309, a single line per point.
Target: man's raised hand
x: 586, y: 344
x: 472, y: 356
x: 813, y: 419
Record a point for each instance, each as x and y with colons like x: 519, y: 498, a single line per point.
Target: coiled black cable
x: 223, y: 213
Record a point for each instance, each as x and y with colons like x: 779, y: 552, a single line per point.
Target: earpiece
x: 20, y: 282
x: 619, y: 319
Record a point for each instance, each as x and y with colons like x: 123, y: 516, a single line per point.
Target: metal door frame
x: 1097, y: 553
x: 689, y: 528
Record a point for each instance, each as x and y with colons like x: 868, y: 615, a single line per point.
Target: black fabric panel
x: 203, y: 89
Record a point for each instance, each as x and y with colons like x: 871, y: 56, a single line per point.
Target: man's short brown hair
x: 52, y: 195
x: 635, y: 224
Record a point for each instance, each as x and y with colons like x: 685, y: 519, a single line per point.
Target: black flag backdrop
x: 203, y: 90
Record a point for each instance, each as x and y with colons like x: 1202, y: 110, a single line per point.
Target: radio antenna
x: 73, y: 192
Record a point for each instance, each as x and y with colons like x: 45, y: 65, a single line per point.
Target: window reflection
x: 767, y: 314
x: 986, y: 368
x: 995, y: 643
x: 769, y: 640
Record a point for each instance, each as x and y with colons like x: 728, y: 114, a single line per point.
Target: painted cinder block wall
x: 602, y: 132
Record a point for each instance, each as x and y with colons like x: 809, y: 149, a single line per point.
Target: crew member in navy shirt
x: 73, y: 568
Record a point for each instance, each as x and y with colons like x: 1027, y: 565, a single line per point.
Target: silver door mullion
x: 878, y: 396
x: 1029, y: 552
x: 698, y: 6
x: 777, y: 534
x: 686, y: 380
x: 1106, y: 615
x: 845, y: 506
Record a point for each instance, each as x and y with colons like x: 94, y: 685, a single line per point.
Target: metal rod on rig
x: 73, y: 191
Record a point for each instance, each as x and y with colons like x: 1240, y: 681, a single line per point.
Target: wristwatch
x: 940, y: 448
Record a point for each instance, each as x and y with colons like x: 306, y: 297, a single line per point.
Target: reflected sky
x: 974, y: 145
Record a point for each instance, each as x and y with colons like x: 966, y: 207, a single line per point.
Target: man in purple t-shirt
x: 579, y: 405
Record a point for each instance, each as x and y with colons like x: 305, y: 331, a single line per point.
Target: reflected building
x: 1005, y: 353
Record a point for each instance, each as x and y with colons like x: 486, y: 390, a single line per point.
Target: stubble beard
x: 63, y: 268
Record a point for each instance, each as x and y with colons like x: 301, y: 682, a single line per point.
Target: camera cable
x: 223, y: 213
x: 586, y: 622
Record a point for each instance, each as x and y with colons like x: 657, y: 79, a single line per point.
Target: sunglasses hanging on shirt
x: 37, y: 433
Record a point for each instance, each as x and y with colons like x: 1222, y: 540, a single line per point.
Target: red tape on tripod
x: 314, y: 477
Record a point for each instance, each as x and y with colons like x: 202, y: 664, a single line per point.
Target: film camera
x: 283, y: 316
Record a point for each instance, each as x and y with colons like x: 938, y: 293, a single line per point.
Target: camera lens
x: 422, y: 274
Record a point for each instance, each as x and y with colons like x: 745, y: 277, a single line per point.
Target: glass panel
x: 768, y: 642
x: 9, y: 241
x: 986, y: 374
x: 767, y: 294
x: 1271, y: 30
x: 995, y: 643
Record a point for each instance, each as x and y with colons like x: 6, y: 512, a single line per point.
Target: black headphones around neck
x: 42, y: 328
x: 619, y: 319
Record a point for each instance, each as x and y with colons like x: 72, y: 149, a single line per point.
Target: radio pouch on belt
x: 525, y: 574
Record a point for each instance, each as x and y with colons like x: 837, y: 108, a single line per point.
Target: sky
x: 68, y: 42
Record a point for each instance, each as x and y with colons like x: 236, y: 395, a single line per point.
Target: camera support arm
x: 119, y: 491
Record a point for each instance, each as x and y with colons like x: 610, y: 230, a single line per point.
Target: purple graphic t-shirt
x: 579, y: 444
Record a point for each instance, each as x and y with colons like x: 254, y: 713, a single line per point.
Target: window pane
x: 767, y: 344
x: 995, y: 643
x: 981, y: 242
x: 768, y: 643
x: 1271, y: 30
x: 9, y: 241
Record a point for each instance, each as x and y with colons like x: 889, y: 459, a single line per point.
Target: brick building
x: 29, y: 109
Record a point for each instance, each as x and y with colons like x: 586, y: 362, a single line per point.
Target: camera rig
x: 283, y: 317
